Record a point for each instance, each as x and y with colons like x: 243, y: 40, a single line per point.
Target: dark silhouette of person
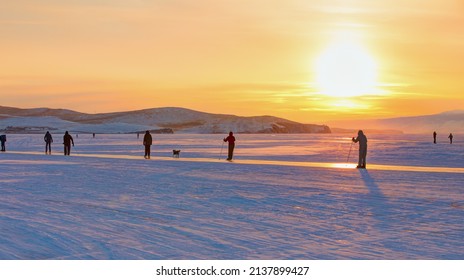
x: 434, y: 137
x: 93, y: 134
x: 2, y: 141
x: 451, y: 138
x: 147, y: 142
x: 67, y: 141
x: 48, y: 143
x: 362, y: 139
x: 231, y: 140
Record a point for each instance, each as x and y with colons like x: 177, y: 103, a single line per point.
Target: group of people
x: 67, y: 142
x: 148, y: 141
x: 450, y: 137
x: 362, y: 139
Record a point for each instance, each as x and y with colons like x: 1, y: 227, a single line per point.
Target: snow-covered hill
x: 158, y: 120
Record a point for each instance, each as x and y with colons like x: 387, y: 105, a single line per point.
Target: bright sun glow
x: 345, y: 69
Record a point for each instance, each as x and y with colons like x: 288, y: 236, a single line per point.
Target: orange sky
x: 244, y: 57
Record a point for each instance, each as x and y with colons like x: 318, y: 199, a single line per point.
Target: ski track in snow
x: 89, y: 207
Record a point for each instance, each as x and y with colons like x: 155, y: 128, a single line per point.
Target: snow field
x: 97, y: 207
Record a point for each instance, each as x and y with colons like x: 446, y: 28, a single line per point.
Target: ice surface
x: 283, y: 197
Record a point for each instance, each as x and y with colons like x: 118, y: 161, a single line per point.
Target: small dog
x: 175, y: 153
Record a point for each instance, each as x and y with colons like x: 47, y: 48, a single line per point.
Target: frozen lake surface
x: 283, y: 197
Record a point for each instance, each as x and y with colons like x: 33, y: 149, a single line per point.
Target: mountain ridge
x: 444, y: 122
x: 164, y: 120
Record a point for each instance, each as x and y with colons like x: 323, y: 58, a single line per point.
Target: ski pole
x: 221, y: 150
x: 348, y: 158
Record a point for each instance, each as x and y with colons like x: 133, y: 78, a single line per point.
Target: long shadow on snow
x: 384, y: 218
x: 377, y: 202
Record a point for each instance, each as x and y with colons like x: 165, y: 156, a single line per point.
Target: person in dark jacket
x: 147, y: 142
x: 362, y: 139
x: 451, y: 138
x: 2, y: 141
x: 48, y: 143
x: 67, y: 140
x: 231, y: 140
x: 434, y: 137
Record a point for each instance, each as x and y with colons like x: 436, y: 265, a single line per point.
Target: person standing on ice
x: 48, y: 143
x: 434, y: 137
x: 451, y: 138
x: 362, y: 139
x: 147, y: 142
x: 67, y: 141
x: 231, y: 140
x: 3, y: 140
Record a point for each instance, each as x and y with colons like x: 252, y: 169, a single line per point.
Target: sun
x: 345, y: 69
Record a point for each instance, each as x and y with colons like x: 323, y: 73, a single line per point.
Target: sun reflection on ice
x: 343, y: 165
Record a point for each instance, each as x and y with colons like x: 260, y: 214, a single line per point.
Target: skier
x: 147, y: 142
x: 231, y: 140
x: 362, y: 139
x: 434, y: 137
x: 67, y: 140
x: 3, y: 140
x: 451, y: 138
x: 48, y: 143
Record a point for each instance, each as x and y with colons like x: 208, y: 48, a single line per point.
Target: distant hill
x: 446, y: 122
x: 158, y: 120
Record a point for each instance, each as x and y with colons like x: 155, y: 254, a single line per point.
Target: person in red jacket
x: 231, y: 140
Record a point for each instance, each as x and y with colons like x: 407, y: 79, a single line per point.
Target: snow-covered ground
x: 283, y: 197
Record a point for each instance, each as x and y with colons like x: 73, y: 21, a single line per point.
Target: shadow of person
x: 377, y: 202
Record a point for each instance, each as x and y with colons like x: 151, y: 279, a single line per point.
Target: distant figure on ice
x: 362, y: 139
x: 231, y: 140
x: 48, y: 143
x: 147, y: 141
x: 67, y: 140
x: 451, y: 138
x: 93, y: 134
x: 434, y: 137
x: 3, y: 140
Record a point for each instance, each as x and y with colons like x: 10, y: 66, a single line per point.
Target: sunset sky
x: 306, y: 60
